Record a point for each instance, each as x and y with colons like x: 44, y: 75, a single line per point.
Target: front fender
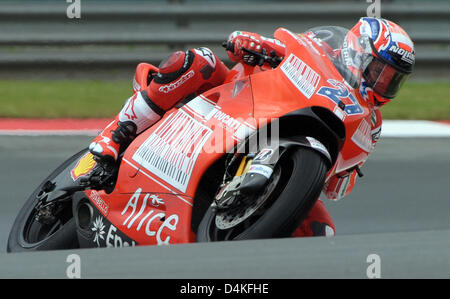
x: 267, y: 158
x: 317, y: 122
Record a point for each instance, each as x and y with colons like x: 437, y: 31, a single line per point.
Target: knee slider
x: 174, y: 66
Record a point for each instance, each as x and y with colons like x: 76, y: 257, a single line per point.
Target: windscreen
x: 350, y: 54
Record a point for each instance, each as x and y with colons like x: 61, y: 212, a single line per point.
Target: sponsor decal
x: 309, y: 39
x: 99, y: 202
x: 115, y: 238
x: 406, y: 55
x: 301, y: 75
x: 200, y: 107
x: 273, y: 41
x: 371, y: 27
x: 83, y: 167
x: 263, y: 155
x: 340, y: 94
x: 129, y: 110
x: 227, y: 120
x: 339, y: 112
x: 243, y: 131
x: 363, y: 136
x: 144, y: 217
x: 343, y: 186
x: 171, y: 151
x: 317, y: 144
x: 168, y: 88
x: 261, y: 169
x: 156, y: 201
x: 340, y: 185
x: 363, y: 90
x: 99, y: 230
x: 107, y: 235
x: 373, y: 118
x: 207, y: 54
x: 376, y: 134
x: 239, y: 129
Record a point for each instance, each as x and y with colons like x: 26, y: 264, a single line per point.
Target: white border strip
x: 20, y: 132
x: 391, y: 128
x: 414, y: 128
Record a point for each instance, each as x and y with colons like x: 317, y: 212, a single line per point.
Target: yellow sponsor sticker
x: 84, y: 166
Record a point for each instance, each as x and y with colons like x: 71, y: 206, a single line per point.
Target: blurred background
x: 49, y: 62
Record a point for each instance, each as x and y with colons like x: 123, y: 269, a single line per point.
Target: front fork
x: 255, y: 170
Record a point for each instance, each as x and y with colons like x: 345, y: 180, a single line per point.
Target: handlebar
x: 229, y: 46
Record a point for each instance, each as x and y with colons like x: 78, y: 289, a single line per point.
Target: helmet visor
x: 383, y: 78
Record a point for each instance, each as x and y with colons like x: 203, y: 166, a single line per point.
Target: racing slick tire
x: 302, y: 173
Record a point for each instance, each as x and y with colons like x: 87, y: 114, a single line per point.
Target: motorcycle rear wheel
x: 27, y: 234
x: 302, y: 176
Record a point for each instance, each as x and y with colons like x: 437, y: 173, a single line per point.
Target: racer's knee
x: 184, y: 73
x: 317, y: 223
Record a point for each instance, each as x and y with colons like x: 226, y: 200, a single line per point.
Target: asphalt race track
x: 398, y: 210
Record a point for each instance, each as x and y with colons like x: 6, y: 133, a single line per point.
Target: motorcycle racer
x: 388, y: 59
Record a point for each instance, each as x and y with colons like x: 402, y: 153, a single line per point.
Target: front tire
x: 302, y: 176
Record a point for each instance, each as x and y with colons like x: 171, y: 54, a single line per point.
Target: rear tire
x: 26, y: 234
x: 303, y: 173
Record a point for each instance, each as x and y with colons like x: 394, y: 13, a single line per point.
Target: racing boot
x: 138, y: 114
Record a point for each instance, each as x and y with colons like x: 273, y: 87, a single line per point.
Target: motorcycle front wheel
x: 278, y: 210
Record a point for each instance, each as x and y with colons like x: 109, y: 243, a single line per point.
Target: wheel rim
x: 230, y: 218
x: 35, y: 232
x: 37, y: 228
x: 246, y: 220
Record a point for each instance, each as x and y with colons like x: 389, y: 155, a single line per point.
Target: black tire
x: 303, y: 173
x: 63, y: 238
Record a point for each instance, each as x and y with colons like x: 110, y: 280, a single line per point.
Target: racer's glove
x: 254, y: 42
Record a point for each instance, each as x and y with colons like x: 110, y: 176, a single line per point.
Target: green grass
x: 83, y: 99
x: 424, y: 100
x: 66, y: 98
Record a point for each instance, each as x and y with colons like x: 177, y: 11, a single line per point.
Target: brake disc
x: 228, y: 218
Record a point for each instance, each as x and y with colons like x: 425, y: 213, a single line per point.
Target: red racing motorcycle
x: 244, y: 160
